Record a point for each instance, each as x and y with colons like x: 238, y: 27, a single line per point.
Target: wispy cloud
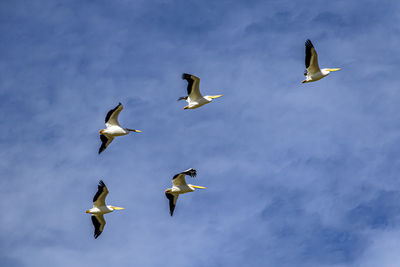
x: 296, y: 175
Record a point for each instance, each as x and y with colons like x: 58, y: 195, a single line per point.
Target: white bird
x: 313, y: 72
x: 179, y: 186
x: 194, y: 98
x: 113, y: 128
x: 100, y: 208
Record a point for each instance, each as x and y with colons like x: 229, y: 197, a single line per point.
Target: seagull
x: 179, y: 186
x: 100, y: 208
x: 194, y: 98
x: 113, y: 128
x: 313, y: 72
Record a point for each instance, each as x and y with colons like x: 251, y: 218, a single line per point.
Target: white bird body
x: 317, y: 76
x: 182, y: 189
x: 194, y: 98
x: 179, y: 187
x: 313, y: 72
x: 196, y: 103
x: 100, y: 208
x: 113, y: 129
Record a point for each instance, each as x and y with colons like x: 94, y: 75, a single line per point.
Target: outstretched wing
x: 98, y: 223
x: 105, y: 141
x: 172, y: 202
x: 193, y: 89
x: 112, y: 116
x: 99, y: 198
x: 311, y: 58
x: 179, y: 179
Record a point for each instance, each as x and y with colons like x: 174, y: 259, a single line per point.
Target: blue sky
x: 296, y: 174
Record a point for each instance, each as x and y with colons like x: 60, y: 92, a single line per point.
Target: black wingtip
x: 185, y: 76
x: 104, y: 141
x: 191, y: 172
x: 309, y: 43
x: 101, y: 183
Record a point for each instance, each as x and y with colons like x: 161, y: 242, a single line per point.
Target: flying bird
x: 179, y: 186
x: 313, y: 72
x: 100, y: 208
x: 113, y: 128
x: 194, y: 97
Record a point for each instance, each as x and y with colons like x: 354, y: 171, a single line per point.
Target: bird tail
x: 182, y: 98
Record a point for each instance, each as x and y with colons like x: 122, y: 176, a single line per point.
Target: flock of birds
x: 195, y: 100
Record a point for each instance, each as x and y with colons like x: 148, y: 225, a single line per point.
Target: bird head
x: 197, y: 186
x: 101, y: 131
x: 211, y: 97
x: 132, y: 130
x: 331, y: 70
x: 117, y: 208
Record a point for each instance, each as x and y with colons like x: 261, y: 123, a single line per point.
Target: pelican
x: 100, y: 208
x: 194, y: 98
x: 113, y: 128
x: 179, y: 186
x: 313, y: 72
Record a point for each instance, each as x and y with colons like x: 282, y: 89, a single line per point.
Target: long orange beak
x: 101, y: 131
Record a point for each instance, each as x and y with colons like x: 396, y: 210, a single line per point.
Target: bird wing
x: 311, y: 58
x: 99, y: 198
x: 98, y: 223
x: 105, y: 141
x: 172, y: 202
x: 193, y: 88
x: 112, y: 116
x: 179, y: 179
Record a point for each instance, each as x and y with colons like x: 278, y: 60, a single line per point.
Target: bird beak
x: 185, y: 107
x: 215, y: 96
x: 199, y: 187
x: 137, y: 131
x: 117, y: 208
x: 101, y: 131
x: 88, y: 211
x: 334, y: 69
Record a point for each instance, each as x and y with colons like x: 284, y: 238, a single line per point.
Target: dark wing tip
x: 100, y: 188
x: 171, y: 203
x: 96, y: 225
x: 104, y: 141
x: 309, y: 44
x: 186, y: 76
x: 191, y: 172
